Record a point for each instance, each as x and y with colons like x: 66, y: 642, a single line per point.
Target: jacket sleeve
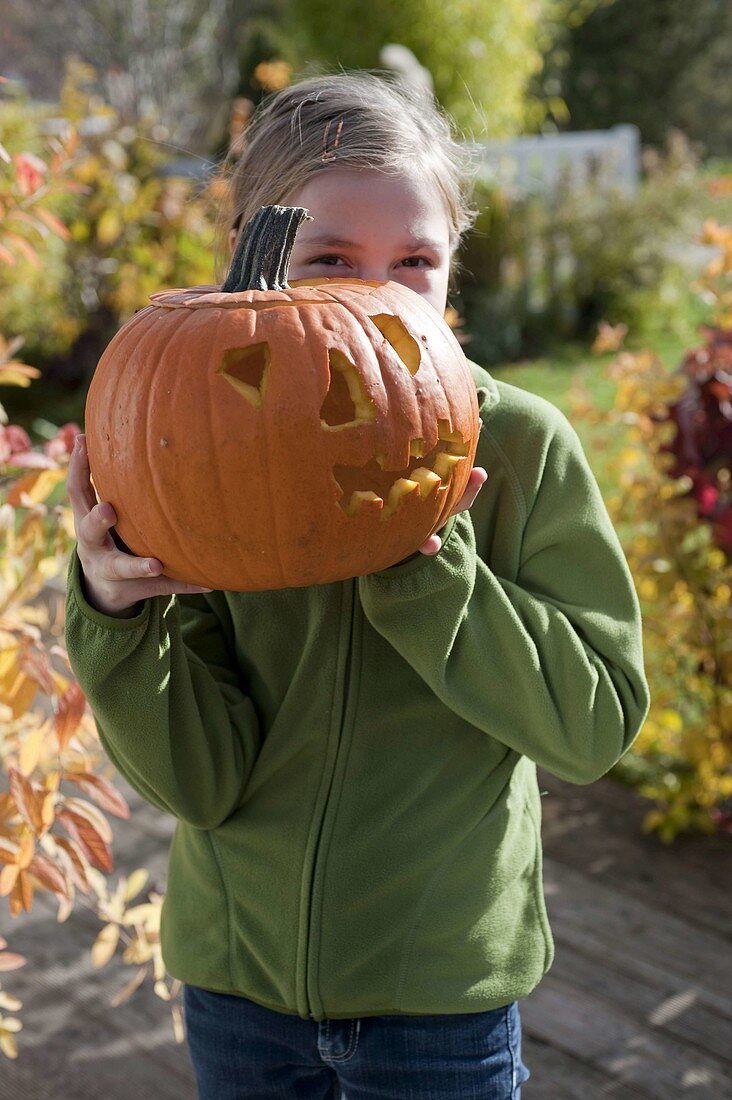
x: 171, y: 712
x: 551, y: 664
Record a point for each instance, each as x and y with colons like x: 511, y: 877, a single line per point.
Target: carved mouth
x: 372, y: 488
x: 369, y: 488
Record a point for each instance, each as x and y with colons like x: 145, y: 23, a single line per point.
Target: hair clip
x: 329, y: 154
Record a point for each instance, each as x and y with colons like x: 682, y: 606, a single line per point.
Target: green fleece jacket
x: 352, y: 766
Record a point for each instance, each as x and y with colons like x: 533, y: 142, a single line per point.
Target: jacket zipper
x: 346, y: 683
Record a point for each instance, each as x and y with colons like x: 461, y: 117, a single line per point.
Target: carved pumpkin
x: 261, y: 436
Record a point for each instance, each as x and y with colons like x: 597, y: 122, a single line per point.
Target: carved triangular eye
x: 406, y: 347
x: 346, y: 403
x: 247, y: 369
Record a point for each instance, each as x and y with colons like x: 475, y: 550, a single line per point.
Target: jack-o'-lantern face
x: 274, y: 438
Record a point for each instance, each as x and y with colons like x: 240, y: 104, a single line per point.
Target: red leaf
x: 71, y: 708
x: 53, y: 223
x: 49, y: 874
x: 102, y: 791
x: 86, y: 836
x: 29, y: 804
x: 78, y: 868
x: 37, y: 665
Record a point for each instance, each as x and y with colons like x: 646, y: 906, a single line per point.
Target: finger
x: 478, y: 478
x: 78, y: 482
x: 431, y: 544
x: 94, y: 527
x: 118, y: 566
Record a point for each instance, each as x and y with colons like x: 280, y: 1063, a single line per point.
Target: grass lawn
x: 553, y: 376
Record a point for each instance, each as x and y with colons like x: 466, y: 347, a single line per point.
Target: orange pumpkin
x: 261, y: 436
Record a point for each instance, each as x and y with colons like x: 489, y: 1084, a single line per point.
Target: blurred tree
x: 659, y: 64
x: 546, y: 108
x: 481, y: 55
x: 264, y: 39
x: 174, y: 61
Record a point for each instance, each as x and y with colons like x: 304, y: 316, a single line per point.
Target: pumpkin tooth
x: 443, y: 432
x: 363, y: 500
x: 458, y: 448
x: 445, y: 464
x: 398, y: 491
x: 416, y: 448
x: 426, y: 479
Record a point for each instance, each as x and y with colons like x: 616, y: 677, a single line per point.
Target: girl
x: 354, y: 899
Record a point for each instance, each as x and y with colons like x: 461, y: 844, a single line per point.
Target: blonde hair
x: 359, y: 119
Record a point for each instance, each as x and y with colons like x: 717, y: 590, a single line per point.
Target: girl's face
x: 367, y: 225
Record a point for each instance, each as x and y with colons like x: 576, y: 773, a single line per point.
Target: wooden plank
x: 557, y: 1075
x: 633, y: 937
x: 70, y: 1027
x: 598, y: 829
x: 74, y: 1042
x: 680, y: 1015
x: 617, y: 1043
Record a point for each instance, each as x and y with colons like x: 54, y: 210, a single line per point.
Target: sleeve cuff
x: 75, y: 591
x: 407, y: 568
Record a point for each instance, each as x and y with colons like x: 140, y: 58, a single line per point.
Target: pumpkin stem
x: 263, y: 251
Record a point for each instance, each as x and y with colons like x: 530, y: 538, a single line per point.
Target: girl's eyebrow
x: 324, y: 240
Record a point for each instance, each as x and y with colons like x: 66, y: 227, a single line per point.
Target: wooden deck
x: 638, y: 1002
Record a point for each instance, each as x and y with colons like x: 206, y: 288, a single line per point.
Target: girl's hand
x: 477, y: 477
x: 114, y: 581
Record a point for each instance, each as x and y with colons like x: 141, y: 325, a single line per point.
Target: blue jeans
x: 240, y: 1049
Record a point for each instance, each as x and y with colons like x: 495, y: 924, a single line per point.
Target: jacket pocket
x: 479, y: 935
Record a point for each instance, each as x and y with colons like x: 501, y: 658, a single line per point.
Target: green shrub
x: 131, y: 230
x: 537, y: 269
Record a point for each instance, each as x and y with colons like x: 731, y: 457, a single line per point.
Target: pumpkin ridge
x: 152, y: 466
x: 213, y: 430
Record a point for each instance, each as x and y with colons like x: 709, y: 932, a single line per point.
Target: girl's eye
x: 408, y: 261
x: 416, y: 261
x: 327, y: 260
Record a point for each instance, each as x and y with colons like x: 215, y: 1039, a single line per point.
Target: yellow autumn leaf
x: 146, y: 914
x: 7, y: 1043
x: 135, y: 883
x: 66, y: 521
x: 48, y: 568
x: 30, y: 750
x: 109, y: 227
x: 105, y: 945
x: 17, y: 690
x: 18, y: 374
x: 61, y: 682
x: 671, y: 720
x: 37, y: 485
x: 178, y: 1028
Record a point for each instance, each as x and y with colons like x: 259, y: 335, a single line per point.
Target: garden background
x: 613, y: 302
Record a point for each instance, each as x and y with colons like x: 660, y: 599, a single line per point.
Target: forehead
x: 344, y: 202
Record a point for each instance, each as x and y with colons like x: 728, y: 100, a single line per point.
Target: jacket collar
x: 488, y: 393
